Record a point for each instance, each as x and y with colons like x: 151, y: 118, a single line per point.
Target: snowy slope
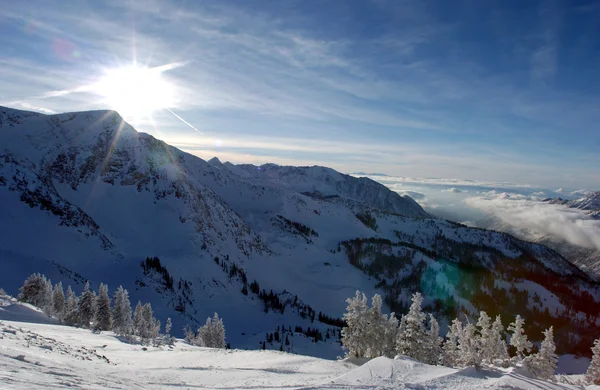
x: 85, y: 196
x: 46, y: 356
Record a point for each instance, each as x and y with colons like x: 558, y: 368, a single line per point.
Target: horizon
x: 409, y: 89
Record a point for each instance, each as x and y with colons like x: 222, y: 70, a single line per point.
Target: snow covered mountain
x: 271, y: 248
x: 590, y: 203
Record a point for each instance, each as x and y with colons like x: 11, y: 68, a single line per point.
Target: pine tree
x: 468, y: 347
x: 543, y: 364
x: 500, y: 350
x: 152, y: 324
x: 168, y: 326
x: 193, y: 338
x: 86, y: 306
x: 518, y: 338
x: 213, y: 332
x: 33, y: 290
x: 139, y: 322
x: 376, y: 332
x: 433, y: 342
x: 103, y: 314
x: 71, y: 316
x: 46, y: 304
x: 411, y: 334
x: 390, y: 335
x: 122, y: 322
x: 450, y: 356
x: 486, y: 337
x: 58, y: 302
x: 355, y: 336
x: 593, y: 372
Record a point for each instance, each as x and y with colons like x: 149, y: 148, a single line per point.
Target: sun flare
x: 135, y: 91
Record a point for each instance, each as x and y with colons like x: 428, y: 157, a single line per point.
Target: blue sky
x: 494, y: 90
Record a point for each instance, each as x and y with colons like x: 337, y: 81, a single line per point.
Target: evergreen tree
x: 543, y: 364
x: 486, y: 337
x: 412, y: 336
x: 593, y: 372
x: 139, y: 322
x: 152, y: 324
x: 451, y: 355
x: 355, y: 336
x: 193, y: 338
x: 46, y: 304
x: 468, y: 347
x: 58, y: 302
x: 71, y: 316
x: 376, y: 331
x: 103, y: 314
x: 168, y: 326
x: 33, y: 290
x: 500, y: 350
x: 213, y: 332
x: 518, y: 338
x: 122, y: 322
x: 86, y: 306
x: 390, y: 335
x: 434, y: 342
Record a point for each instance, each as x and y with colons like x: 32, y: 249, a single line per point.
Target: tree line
x: 369, y: 333
x: 96, y: 311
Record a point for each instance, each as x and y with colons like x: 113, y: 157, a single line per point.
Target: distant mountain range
x: 589, y: 203
x: 85, y: 196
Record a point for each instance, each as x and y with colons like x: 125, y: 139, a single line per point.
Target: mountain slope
x: 85, y: 196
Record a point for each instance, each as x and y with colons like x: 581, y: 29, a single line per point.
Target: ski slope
x: 44, y: 355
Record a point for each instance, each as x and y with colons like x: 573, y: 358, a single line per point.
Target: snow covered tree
x: 468, y: 347
x: 71, y: 308
x: 33, y: 290
x: 86, y: 306
x: 412, y: 336
x: 543, y: 364
x: 213, y: 332
x: 168, y: 338
x: 518, y: 338
x: 193, y: 338
x: 152, y: 324
x: 380, y: 339
x: 355, y: 336
x: 103, y: 314
x: 139, y: 322
x: 58, y: 302
x: 122, y: 322
x: 145, y: 325
x: 499, y: 348
x: 433, y: 345
x: 390, y: 335
x: 46, y: 304
x: 450, y: 356
x: 486, y: 337
x: 593, y: 372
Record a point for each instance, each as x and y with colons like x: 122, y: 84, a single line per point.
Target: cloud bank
x: 536, y: 219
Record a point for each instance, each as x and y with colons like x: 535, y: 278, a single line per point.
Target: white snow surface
x: 42, y: 355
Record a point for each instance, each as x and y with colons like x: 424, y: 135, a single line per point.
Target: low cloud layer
x: 455, y: 190
x: 535, y: 219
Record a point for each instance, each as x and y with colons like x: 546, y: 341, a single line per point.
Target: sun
x: 135, y: 91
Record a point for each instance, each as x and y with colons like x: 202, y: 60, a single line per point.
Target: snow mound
x: 11, y: 310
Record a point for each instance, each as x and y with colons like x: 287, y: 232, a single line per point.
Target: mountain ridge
x: 309, y: 236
